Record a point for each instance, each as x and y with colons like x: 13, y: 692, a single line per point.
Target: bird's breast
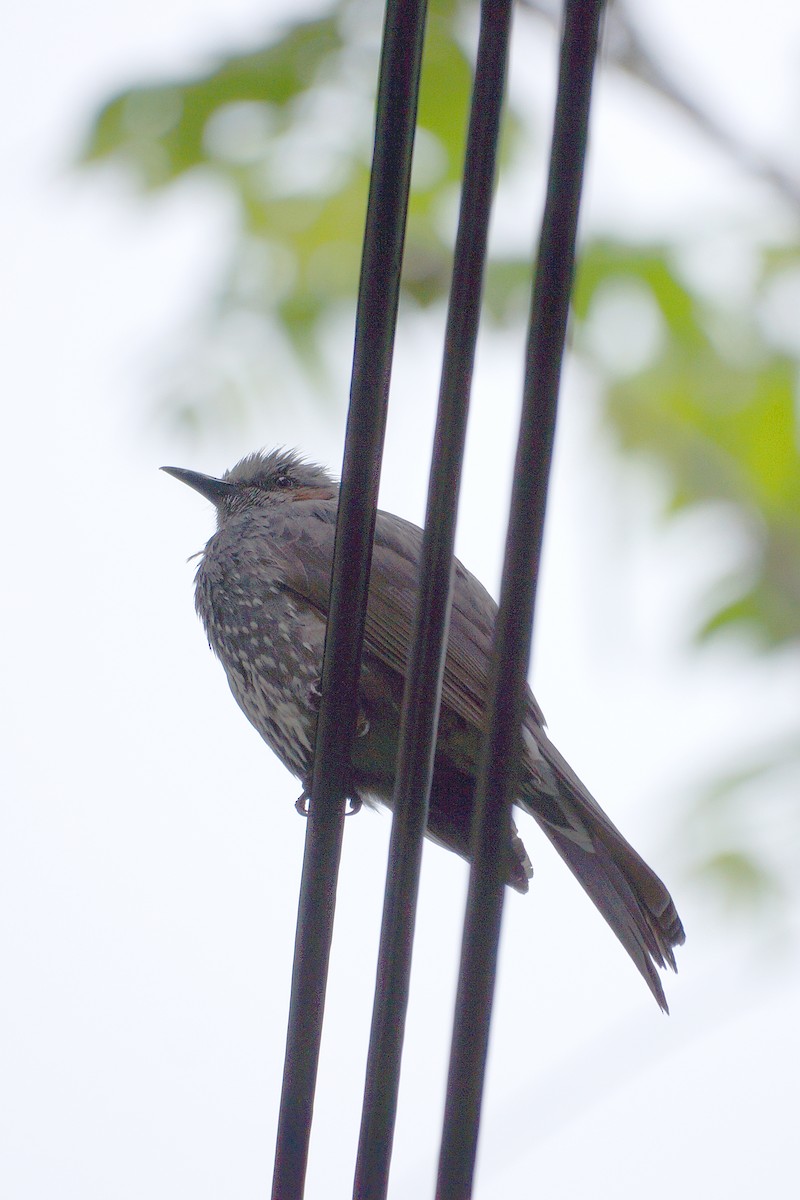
x: 270, y: 643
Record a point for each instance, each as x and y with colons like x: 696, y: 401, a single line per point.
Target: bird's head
x: 260, y: 480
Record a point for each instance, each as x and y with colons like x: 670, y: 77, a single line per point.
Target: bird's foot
x: 354, y: 804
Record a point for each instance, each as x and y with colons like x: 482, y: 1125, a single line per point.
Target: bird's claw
x: 301, y: 803
x: 354, y: 805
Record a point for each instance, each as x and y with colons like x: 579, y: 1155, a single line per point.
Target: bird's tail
x: 627, y: 892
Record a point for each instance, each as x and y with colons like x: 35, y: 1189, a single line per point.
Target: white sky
x: 149, y: 849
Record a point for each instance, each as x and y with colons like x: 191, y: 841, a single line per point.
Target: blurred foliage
x: 713, y: 403
x: 715, y: 406
x: 285, y: 131
x: 744, y: 832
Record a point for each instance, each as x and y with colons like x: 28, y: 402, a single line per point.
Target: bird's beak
x: 213, y: 489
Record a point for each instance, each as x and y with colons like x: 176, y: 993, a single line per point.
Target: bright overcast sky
x: 150, y: 852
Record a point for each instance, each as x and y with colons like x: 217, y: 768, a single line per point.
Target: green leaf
x: 158, y: 131
x: 739, y: 878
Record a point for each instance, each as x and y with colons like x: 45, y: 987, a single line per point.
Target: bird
x: 262, y: 591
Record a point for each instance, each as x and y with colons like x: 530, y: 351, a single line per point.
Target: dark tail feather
x: 648, y: 936
x: 627, y: 892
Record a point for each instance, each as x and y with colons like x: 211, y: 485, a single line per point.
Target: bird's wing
x: 390, y: 616
x: 305, y: 553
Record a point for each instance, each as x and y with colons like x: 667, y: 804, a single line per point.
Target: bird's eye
x: 284, y: 481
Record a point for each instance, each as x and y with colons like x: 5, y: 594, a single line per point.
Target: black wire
x: 499, y: 766
x: 426, y: 660
x: 375, y: 326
